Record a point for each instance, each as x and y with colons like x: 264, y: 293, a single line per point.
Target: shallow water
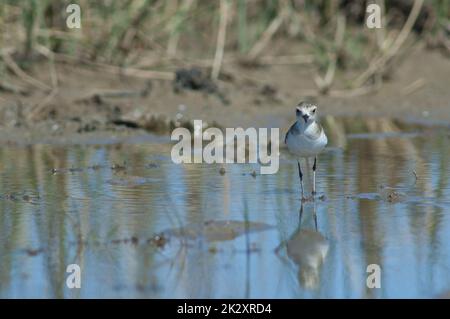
x: 61, y: 205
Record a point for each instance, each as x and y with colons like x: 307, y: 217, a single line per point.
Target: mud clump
x: 194, y: 79
x: 89, y: 126
x: 269, y: 92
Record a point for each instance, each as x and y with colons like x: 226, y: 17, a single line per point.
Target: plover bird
x: 306, y: 138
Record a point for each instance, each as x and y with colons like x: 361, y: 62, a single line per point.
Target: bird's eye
x: 297, y: 111
x: 314, y: 111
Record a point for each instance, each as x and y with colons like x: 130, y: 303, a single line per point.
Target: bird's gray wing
x: 292, y: 130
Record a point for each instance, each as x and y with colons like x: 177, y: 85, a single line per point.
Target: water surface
x: 61, y: 205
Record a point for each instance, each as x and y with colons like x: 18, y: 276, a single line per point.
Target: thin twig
x: 236, y: 59
x: 363, y: 90
x: 144, y: 74
x: 325, y: 83
x: 51, y: 57
x: 221, y: 36
x: 286, y: 59
x: 414, y: 86
x: 175, y: 35
x: 102, y: 93
x: 21, y: 74
x: 381, y: 32
x: 8, y: 87
x: 267, y: 35
x: 138, y: 73
x: 38, y: 107
x: 378, y: 63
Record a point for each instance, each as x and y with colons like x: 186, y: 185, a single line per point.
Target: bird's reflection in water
x: 307, y: 248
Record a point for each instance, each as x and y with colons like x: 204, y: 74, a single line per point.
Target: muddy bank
x: 91, y: 103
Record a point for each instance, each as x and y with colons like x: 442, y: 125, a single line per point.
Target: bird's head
x: 306, y: 112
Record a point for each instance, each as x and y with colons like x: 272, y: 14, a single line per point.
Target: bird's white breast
x: 308, y: 143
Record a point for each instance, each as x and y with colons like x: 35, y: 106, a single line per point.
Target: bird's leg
x: 300, y: 174
x: 300, y: 215
x: 315, y: 216
x: 314, y: 176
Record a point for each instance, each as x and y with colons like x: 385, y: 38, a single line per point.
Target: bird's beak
x: 305, y: 117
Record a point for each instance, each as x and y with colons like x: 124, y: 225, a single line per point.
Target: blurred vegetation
x: 159, y: 35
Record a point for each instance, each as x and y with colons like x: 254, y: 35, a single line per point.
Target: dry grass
x: 150, y: 38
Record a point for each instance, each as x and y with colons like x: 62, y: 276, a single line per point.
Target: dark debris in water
x: 158, y: 240
x: 72, y: 170
x: 252, y: 174
x: 131, y: 240
x: 55, y: 171
x: 119, y: 167
x: 212, y: 231
x: 31, y: 198
x: 95, y: 167
x: 75, y: 169
x: 134, y: 240
x: 34, y: 252
x: 151, y: 165
x: 313, y: 198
